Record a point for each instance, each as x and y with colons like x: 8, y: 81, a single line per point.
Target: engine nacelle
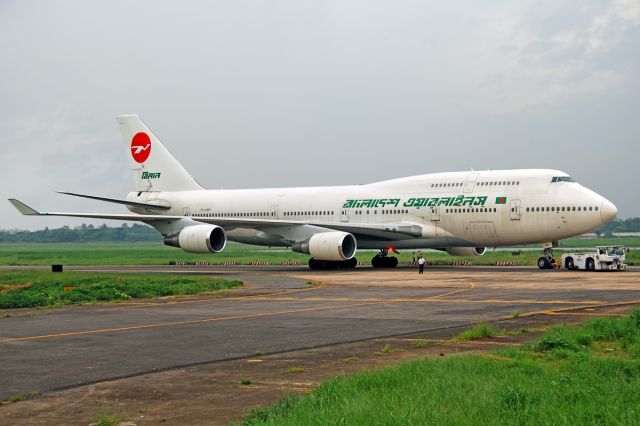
x: 328, y: 246
x: 199, y: 239
x: 466, y: 251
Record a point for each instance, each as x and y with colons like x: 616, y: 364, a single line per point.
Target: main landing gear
x: 382, y: 260
x: 315, y: 264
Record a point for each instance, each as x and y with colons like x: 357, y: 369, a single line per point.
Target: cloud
x: 303, y: 93
x: 533, y: 64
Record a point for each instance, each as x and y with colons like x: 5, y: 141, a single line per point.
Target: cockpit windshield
x: 562, y: 179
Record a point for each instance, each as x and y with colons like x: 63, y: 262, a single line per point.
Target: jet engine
x: 335, y: 245
x: 466, y: 251
x: 199, y: 239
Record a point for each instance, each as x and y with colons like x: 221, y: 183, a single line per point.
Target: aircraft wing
x: 118, y: 201
x: 396, y: 230
x: 29, y: 211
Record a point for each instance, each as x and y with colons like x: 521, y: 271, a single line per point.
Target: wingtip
x: 23, y: 208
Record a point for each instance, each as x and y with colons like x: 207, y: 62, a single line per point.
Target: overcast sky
x: 296, y: 93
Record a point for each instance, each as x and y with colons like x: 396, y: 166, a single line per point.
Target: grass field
x: 26, y: 289
x: 159, y: 254
x: 588, y: 376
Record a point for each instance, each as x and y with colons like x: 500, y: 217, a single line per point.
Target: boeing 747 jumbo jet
x: 461, y: 213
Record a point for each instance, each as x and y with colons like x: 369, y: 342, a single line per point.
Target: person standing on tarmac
x: 421, y: 262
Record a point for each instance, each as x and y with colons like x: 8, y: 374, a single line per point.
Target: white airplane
x: 461, y: 213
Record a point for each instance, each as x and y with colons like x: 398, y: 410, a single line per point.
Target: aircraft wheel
x: 393, y: 262
x: 329, y: 264
x: 543, y: 263
x: 376, y: 262
x: 314, y: 264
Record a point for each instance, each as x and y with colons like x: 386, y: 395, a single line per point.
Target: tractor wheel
x: 568, y: 263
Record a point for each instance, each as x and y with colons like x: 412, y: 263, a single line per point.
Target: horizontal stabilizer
x: 23, y: 208
x: 117, y: 201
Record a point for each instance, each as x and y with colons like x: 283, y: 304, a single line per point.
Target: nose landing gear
x: 383, y: 260
x: 547, y: 261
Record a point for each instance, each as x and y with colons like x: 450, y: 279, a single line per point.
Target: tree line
x: 631, y: 224
x: 84, y: 234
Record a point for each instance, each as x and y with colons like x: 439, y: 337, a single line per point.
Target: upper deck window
x: 562, y: 179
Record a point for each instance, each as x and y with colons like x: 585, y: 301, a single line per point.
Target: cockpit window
x: 562, y: 179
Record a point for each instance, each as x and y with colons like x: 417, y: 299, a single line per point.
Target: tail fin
x: 153, y: 166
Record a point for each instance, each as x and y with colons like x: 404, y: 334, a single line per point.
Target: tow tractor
x: 605, y: 258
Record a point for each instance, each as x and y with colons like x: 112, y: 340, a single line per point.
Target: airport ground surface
x: 181, y: 360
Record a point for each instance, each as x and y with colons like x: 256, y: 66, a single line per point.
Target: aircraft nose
x: 608, y: 211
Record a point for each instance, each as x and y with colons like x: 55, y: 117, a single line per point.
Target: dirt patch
x: 219, y: 393
x: 6, y: 288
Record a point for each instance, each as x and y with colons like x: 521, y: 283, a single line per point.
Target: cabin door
x: 344, y: 215
x: 470, y: 183
x: 516, y: 211
x: 435, y: 213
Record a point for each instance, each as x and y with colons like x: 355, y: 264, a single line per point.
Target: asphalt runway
x: 278, y: 310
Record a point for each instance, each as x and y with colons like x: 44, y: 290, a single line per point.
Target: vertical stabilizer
x: 152, y: 165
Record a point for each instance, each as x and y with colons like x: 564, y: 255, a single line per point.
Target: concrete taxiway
x: 279, y: 311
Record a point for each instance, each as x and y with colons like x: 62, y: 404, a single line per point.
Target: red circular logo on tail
x: 140, y: 147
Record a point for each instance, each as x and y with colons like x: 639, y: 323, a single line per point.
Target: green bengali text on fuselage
x: 415, y: 202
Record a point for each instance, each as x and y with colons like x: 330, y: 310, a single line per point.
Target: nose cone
x: 608, y: 211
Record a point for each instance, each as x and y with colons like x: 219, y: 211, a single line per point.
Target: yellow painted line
x: 454, y: 342
x: 601, y: 305
x: 432, y: 299
x: 273, y: 297
x: 586, y: 314
x: 134, y: 305
x: 471, y: 286
x: 205, y: 320
x: 527, y: 301
x: 173, y: 323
